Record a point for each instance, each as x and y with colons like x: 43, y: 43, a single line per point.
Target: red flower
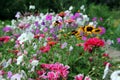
x: 45, y: 49
x: 51, y: 43
x: 93, y: 42
x: 105, y: 55
x: 105, y: 63
x: 39, y: 35
x: 4, y: 39
x: 40, y: 72
x: 62, y: 14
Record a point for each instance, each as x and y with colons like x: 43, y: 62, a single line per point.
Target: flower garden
x: 58, y: 46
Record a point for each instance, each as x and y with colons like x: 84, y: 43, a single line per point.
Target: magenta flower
x: 45, y: 29
x: 52, y: 75
x: 84, y: 38
x: 36, y: 23
x: 7, y: 29
x: 94, y: 19
x: 101, y: 19
x: 49, y: 17
x: 118, y: 40
x: 9, y: 74
x: 57, y: 70
x: 79, y: 77
x: 77, y: 15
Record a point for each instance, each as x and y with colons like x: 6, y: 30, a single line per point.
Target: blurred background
x: 8, y: 8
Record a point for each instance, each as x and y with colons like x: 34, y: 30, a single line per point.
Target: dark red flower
x: 105, y: 55
x: 4, y: 39
x: 105, y: 63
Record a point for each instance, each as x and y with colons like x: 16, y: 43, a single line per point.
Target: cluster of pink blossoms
x: 53, y: 71
x: 81, y: 77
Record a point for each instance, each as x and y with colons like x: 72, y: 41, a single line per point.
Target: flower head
x: 4, y: 39
x: 79, y: 77
x: 93, y: 42
x: 118, y: 40
x: 7, y: 29
x: 115, y: 75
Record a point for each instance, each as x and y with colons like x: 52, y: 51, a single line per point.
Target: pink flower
x: 79, y: 77
x: 2, y: 72
x: 59, y: 70
x: 87, y: 78
x: 45, y: 49
x: 118, y: 40
x: 52, y: 75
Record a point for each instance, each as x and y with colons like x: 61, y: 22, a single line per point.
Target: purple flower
x: 77, y: 15
x: 94, y: 19
x: 101, y: 19
x: 52, y: 30
x: 73, y: 17
x: 45, y: 29
x: 64, y: 45
x: 9, y: 74
x: 7, y: 29
x: 49, y: 17
x: 37, y: 23
x: 118, y: 40
x: 84, y: 38
x: 103, y: 30
x: 37, y: 31
x: 43, y: 23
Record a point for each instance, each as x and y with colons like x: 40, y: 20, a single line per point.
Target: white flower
x: 115, y: 75
x: 70, y: 8
x: 16, y: 77
x: 20, y: 59
x: 31, y: 7
x: 93, y: 23
x: 25, y: 36
x: 6, y: 64
x: 18, y: 14
x: 82, y: 7
x: 85, y: 17
x: 34, y: 63
x: 106, y: 70
x: 71, y: 48
x: 23, y: 74
x: 34, y: 46
x: 109, y: 42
